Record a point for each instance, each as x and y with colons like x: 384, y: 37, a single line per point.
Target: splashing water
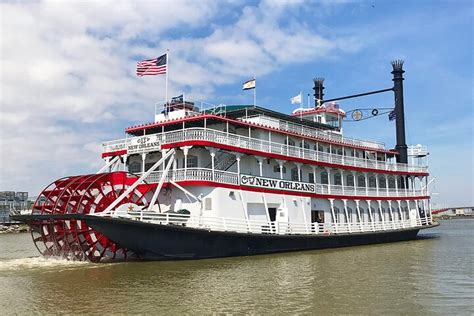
x: 10, y: 265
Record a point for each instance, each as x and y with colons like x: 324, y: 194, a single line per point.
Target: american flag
x: 392, y: 115
x: 152, y: 67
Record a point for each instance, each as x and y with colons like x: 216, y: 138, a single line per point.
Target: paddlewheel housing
x: 84, y: 194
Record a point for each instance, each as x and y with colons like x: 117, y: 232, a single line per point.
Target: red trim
x: 262, y: 190
x: 114, y: 153
x: 236, y: 122
x: 283, y: 157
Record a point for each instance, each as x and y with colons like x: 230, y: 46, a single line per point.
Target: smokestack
x: 401, y: 146
x: 318, y: 91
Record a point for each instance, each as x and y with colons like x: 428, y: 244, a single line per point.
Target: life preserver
x: 375, y: 112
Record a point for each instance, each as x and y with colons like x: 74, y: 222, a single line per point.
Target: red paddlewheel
x: 86, y: 194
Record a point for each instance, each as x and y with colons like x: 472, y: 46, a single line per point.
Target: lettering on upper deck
x: 142, y: 144
x: 277, y: 184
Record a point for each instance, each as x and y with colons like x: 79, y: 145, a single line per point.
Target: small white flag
x: 296, y: 99
x: 249, y: 84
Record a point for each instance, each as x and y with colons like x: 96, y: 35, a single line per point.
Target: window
x: 276, y: 169
x: 289, y: 142
x: 135, y: 167
x: 382, y: 183
x: 350, y: 180
x: 294, y: 174
x: 304, y: 145
x: 372, y: 182
x: 320, y: 147
x: 349, y: 214
x: 324, y: 177
x: 192, y: 161
x: 339, y: 151
x: 361, y: 181
x: 311, y: 177
x: 391, y: 183
x: 337, y: 179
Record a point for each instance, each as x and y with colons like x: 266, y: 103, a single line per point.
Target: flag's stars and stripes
x: 152, y: 67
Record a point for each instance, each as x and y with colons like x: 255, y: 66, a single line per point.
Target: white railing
x: 315, y: 132
x: 241, y: 225
x: 219, y: 176
x: 195, y: 174
x: 269, y: 147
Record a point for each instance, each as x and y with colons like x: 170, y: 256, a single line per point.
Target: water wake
x: 20, y: 264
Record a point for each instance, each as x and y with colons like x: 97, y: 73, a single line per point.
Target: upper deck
x: 261, y: 118
x: 261, y: 132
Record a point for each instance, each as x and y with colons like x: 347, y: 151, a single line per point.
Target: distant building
x: 459, y: 211
x: 12, y: 201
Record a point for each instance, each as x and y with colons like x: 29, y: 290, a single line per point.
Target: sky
x: 68, y: 78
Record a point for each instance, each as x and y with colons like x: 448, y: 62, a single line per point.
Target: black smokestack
x: 401, y: 146
x: 318, y: 91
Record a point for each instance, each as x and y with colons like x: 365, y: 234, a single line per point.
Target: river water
x: 431, y: 275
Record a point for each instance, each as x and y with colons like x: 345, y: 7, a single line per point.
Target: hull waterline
x: 173, y: 242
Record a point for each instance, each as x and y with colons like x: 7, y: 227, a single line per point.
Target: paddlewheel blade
x: 84, y: 194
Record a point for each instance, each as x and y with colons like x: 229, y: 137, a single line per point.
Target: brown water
x: 431, y: 275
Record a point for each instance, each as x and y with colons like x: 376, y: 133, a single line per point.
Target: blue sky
x: 76, y: 85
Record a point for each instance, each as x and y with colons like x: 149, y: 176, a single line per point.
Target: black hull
x: 169, y: 242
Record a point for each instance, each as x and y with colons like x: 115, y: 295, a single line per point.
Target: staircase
x: 223, y: 161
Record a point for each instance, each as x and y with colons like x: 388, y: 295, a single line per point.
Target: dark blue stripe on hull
x: 160, y: 242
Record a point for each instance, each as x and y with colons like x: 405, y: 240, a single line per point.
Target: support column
x: 260, y: 164
x: 377, y: 184
x: 402, y: 216
x: 314, y: 174
x: 366, y: 184
x: 382, y: 217
x: 359, y: 216
x: 386, y: 185
x: 355, y: 182
x: 371, y: 216
x: 396, y: 185
x: 298, y: 167
x: 391, y: 213
x: 143, y: 162
x: 124, y: 159
x: 280, y: 164
x: 342, y: 181
x: 334, y: 221
x: 328, y: 170
x: 347, y: 215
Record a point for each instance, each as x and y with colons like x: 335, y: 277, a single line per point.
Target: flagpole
x: 255, y: 92
x: 167, y: 71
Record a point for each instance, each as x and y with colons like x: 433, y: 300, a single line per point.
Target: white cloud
x: 67, y: 70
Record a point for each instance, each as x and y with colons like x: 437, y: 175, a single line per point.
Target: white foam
x: 39, y: 263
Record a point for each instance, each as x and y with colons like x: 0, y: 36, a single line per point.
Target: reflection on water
x: 431, y: 275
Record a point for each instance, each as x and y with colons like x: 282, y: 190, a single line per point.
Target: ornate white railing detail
x: 219, y: 176
x: 260, y: 145
x: 264, y: 227
x: 315, y: 132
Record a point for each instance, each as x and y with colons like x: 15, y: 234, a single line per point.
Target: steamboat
x: 237, y: 180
